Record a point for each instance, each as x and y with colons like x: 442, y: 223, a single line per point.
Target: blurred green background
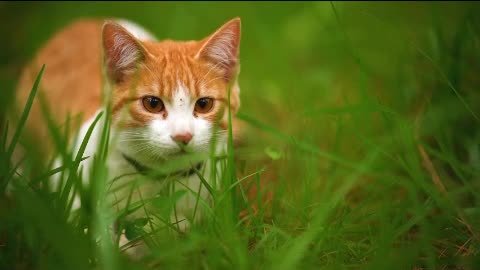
x: 340, y: 96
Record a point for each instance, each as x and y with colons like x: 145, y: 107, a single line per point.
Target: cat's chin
x: 171, y: 155
x: 185, y: 154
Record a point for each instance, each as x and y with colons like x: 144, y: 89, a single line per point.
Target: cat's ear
x: 122, y: 51
x: 221, y: 48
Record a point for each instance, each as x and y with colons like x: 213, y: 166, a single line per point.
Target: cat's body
x: 167, y: 98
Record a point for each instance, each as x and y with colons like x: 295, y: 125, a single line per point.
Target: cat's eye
x: 153, y: 104
x: 203, y: 105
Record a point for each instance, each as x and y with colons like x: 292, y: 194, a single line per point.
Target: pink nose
x: 182, y: 138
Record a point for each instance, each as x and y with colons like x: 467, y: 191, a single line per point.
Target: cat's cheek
x: 203, y: 133
x: 160, y: 132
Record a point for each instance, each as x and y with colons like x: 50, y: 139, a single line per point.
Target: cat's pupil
x: 154, y: 102
x: 202, y: 103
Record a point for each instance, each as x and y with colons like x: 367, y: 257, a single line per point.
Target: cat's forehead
x: 173, y: 67
x: 172, y: 49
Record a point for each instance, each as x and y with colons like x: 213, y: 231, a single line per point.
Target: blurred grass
x: 342, y: 99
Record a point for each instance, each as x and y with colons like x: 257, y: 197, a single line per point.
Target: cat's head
x: 171, y: 97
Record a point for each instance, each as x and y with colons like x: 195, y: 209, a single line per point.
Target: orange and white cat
x: 168, y: 98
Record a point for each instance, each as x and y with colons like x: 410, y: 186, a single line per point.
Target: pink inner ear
x: 122, y: 51
x: 221, y: 49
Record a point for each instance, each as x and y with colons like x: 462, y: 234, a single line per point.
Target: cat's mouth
x: 179, y: 153
x: 156, y: 151
x: 182, y: 151
x: 186, y: 151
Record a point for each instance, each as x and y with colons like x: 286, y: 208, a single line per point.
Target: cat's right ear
x: 222, y: 48
x: 122, y: 51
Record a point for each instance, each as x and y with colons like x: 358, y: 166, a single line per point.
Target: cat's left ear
x: 123, y: 52
x: 221, y: 49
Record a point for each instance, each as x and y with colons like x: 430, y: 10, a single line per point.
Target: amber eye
x: 204, y: 105
x: 153, y: 104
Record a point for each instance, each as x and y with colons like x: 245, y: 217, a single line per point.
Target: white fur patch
x: 89, y: 152
x: 136, y: 30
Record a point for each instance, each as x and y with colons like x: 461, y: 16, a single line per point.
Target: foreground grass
x: 375, y: 168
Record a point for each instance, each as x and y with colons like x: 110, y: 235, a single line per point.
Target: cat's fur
x: 137, y: 65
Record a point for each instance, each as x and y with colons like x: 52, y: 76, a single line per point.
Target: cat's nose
x: 184, y: 138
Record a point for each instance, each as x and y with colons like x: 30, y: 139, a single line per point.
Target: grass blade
x: 25, y: 113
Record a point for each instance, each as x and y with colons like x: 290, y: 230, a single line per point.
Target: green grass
x: 366, y: 113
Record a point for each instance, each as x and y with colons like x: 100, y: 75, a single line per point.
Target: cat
x: 169, y: 99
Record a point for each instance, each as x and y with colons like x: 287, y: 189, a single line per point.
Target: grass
x: 365, y: 114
